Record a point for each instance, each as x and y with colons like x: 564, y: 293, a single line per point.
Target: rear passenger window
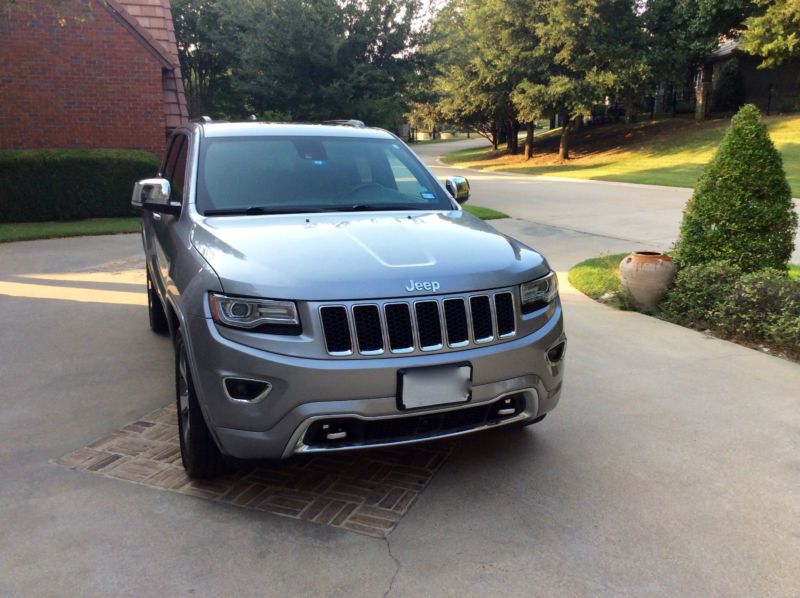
x: 168, y: 166
x: 178, y: 179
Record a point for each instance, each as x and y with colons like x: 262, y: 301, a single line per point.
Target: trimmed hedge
x: 760, y: 307
x: 70, y: 184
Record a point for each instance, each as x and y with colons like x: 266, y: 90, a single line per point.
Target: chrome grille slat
x: 402, y: 347
x: 386, y: 326
x: 505, y: 314
x: 367, y: 328
x: 479, y: 304
x: 456, y: 322
x: 427, y: 328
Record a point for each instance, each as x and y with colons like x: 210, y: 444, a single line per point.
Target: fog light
x: 334, y: 433
x: 242, y: 390
x: 507, y: 407
x: 556, y: 354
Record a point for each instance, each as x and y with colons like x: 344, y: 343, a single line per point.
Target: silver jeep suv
x: 324, y: 293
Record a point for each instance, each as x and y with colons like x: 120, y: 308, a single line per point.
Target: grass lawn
x: 484, y: 213
x: 598, y: 278
x: 667, y: 151
x: 430, y: 141
x: 26, y: 231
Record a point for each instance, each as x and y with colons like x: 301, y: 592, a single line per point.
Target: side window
x: 179, y: 171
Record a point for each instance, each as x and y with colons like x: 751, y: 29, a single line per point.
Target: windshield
x: 274, y: 175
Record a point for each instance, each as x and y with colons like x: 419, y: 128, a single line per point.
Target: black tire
x: 155, y: 309
x: 200, y: 454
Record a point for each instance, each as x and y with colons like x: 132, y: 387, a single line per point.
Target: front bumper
x: 306, y: 390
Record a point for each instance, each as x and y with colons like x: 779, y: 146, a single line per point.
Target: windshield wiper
x: 257, y: 211
x: 373, y: 207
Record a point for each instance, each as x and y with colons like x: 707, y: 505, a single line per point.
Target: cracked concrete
x: 398, y: 566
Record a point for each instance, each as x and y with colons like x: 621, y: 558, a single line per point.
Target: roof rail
x: 203, y: 119
x: 346, y: 123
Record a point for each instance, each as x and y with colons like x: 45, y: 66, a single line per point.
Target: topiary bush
x: 741, y: 210
x: 70, y: 184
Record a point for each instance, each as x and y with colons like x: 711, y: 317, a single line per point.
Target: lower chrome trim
x: 296, y: 445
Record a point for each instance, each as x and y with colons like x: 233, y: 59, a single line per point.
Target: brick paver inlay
x: 362, y: 491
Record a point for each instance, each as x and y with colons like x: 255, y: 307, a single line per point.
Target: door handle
x: 156, y: 216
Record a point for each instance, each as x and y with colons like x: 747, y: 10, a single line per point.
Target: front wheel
x: 201, y: 457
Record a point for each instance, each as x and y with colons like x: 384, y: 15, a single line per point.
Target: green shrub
x: 69, y: 184
x: 696, y: 295
x: 757, y: 303
x: 741, y: 210
x: 757, y: 307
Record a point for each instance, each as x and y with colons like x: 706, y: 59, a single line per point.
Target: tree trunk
x: 563, y: 146
x: 703, y: 93
x: 495, y: 137
x: 529, y: 141
x: 553, y: 121
x: 513, y: 137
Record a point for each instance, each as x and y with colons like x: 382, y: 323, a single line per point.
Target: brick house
x: 89, y: 74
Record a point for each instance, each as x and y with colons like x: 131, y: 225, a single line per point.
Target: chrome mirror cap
x: 458, y: 188
x: 154, y: 195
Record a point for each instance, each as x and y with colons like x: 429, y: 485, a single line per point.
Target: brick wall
x: 68, y: 82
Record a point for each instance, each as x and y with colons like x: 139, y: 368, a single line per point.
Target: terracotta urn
x: 646, y: 275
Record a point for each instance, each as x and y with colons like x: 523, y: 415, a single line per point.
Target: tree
x: 728, y: 94
x: 683, y: 33
x: 299, y: 60
x: 479, y: 50
x: 531, y: 103
x: 592, y: 49
x: 206, y: 56
x: 741, y: 210
x: 775, y: 33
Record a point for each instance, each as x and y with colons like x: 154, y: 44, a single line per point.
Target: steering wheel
x: 364, y: 187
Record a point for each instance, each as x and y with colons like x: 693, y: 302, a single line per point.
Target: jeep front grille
x: 419, y: 325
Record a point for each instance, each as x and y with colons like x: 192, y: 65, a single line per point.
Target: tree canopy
x: 774, y: 34
x: 490, y: 66
x: 298, y: 60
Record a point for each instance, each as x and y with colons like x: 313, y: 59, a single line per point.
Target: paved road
x: 669, y: 468
x: 646, y: 214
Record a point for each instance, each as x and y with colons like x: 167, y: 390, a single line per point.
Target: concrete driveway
x: 669, y: 468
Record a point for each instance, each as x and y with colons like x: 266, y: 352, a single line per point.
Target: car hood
x: 318, y: 257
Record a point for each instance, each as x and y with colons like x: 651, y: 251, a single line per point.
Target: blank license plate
x: 440, y: 385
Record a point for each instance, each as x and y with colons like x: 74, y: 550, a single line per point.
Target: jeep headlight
x: 267, y: 315
x: 538, y: 293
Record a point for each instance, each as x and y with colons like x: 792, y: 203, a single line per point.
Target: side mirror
x: 153, y: 195
x: 458, y: 187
